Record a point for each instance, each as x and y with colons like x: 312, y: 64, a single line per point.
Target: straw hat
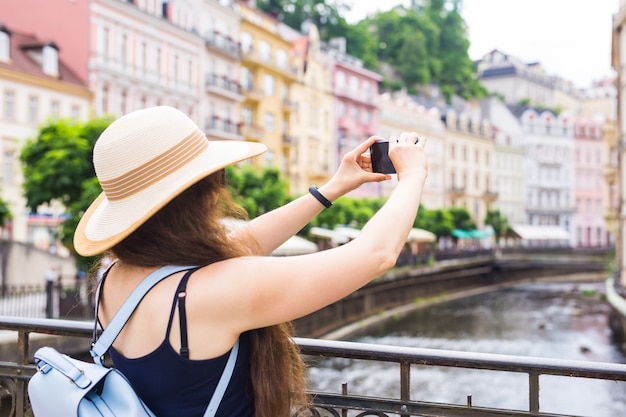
x: 143, y: 160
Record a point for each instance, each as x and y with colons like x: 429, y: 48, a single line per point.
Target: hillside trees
x: 425, y: 43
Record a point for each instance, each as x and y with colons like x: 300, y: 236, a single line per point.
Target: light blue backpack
x: 67, y: 387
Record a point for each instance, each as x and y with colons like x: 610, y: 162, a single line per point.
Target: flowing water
x: 554, y: 320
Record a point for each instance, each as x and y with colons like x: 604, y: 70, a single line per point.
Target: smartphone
x: 379, y: 153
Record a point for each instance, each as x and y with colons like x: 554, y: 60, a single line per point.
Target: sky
x: 569, y: 38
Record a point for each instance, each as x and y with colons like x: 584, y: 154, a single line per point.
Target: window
x: 270, y: 122
x: 341, y: 109
x: 265, y: 51
x: 5, y: 46
x: 281, y: 58
x: 354, y: 113
x: 50, y: 60
x: 269, y: 158
x: 124, y: 49
x: 7, y: 167
x: 141, y: 56
x: 122, y: 109
x: 104, y: 99
x: 341, y: 80
x: 175, y: 68
x: 54, y: 110
x: 9, y: 105
x: 268, y: 85
x: 354, y: 84
x: 158, y: 61
x: 367, y: 117
x: 75, y: 112
x: 246, y: 79
x: 33, y: 110
x: 104, y: 43
x: 246, y: 42
x: 246, y: 115
x: 367, y: 88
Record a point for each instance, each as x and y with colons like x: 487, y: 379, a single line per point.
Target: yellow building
x: 313, y: 120
x: 267, y: 76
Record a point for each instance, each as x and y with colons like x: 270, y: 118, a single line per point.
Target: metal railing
x: 14, y: 375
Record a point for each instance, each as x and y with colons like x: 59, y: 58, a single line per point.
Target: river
x: 553, y: 320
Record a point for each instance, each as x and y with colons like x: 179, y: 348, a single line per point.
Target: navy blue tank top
x: 174, y: 386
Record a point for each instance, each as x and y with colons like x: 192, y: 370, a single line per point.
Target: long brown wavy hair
x: 189, y: 231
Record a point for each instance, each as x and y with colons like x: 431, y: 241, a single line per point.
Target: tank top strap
x: 179, y: 299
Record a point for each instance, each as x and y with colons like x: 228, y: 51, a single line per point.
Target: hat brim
x: 107, y: 222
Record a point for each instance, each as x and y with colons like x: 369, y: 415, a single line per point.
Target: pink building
x: 129, y: 53
x: 356, y: 95
x: 589, y: 228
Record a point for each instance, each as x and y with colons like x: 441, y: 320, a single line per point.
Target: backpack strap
x: 223, y: 382
x: 108, y: 336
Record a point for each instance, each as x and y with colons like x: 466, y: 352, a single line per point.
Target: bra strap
x: 181, y: 295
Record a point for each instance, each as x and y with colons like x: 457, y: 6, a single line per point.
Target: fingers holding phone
x: 391, y: 156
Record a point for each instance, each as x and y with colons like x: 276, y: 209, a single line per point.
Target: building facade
x: 36, y: 86
x: 312, y: 121
x: 549, y: 169
x: 399, y: 112
x: 267, y: 77
x: 356, y: 117
x: 589, y: 226
x: 518, y: 82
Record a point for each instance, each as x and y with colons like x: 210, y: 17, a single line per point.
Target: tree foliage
x: 424, y: 43
x: 498, y: 222
x: 257, y: 191
x: 461, y: 218
x: 57, y: 162
x: 57, y: 166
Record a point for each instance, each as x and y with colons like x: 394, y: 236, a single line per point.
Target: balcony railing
x: 14, y: 374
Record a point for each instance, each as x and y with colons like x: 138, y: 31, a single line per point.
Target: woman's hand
x: 407, y: 155
x: 356, y: 168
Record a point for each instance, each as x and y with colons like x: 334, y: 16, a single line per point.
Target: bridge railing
x: 14, y: 374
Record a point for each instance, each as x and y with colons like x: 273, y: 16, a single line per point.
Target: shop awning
x: 533, y: 232
x: 332, y: 235
x: 295, y: 245
x: 421, y: 235
x: 461, y: 234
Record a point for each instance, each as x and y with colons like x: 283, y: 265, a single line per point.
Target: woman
x: 163, y: 203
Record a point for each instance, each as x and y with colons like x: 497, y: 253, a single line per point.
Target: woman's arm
x: 272, y: 229
x: 260, y: 291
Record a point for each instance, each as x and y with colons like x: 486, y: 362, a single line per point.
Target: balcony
x: 16, y: 372
x: 253, y: 58
x: 289, y: 140
x: 223, y: 44
x: 253, y: 94
x: 218, y: 128
x: 254, y: 133
x: 456, y: 192
x: 223, y: 86
x: 490, y: 196
x: 289, y: 105
x: 356, y: 95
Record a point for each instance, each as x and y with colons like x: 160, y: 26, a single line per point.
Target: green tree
x: 57, y: 162
x: 293, y: 13
x: 498, y: 222
x: 438, y: 221
x: 57, y: 166
x: 461, y: 218
x: 257, y: 191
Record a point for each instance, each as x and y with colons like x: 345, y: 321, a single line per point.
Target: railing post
x: 405, y: 382
x: 533, y: 391
x: 20, y: 384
